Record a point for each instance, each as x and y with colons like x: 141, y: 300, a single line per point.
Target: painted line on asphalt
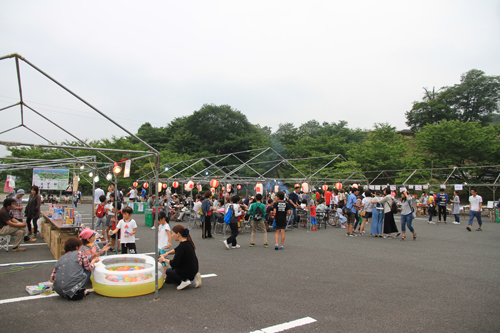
x: 286, y: 326
x: 29, y: 244
x: 35, y: 297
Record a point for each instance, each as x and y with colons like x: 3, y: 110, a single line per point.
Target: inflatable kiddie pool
x: 126, y: 275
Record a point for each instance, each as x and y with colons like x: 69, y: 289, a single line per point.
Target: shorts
x: 128, y: 248
x: 100, y: 221
x: 160, y: 251
x: 351, y: 217
x: 368, y: 215
x: 108, y: 221
x: 279, y: 226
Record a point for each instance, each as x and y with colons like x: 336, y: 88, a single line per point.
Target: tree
x: 475, y: 98
x: 457, y: 143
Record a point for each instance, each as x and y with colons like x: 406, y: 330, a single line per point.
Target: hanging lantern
x: 145, y: 185
x: 238, y: 187
x: 109, y: 176
x: 259, y: 188
x: 164, y: 185
x: 325, y: 187
x: 212, y: 190
x: 190, y: 184
x: 186, y: 187
x: 228, y: 187
x: 223, y: 188
x: 135, y: 184
x: 354, y: 185
x: 159, y: 186
x: 214, y: 183
x: 96, y: 179
x: 296, y: 185
x: 305, y: 187
x: 175, y: 184
x: 276, y: 188
x: 338, y: 186
x: 199, y: 187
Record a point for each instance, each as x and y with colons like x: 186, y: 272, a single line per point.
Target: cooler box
x: 149, y: 217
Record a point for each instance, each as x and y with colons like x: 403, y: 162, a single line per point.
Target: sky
x: 363, y: 61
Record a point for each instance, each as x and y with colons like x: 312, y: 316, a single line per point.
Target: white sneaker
x: 197, y: 280
x: 183, y: 284
x: 455, y: 222
x: 237, y: 246
x: 432, y: 222
x: 152, y: 228
x: 226, y: 244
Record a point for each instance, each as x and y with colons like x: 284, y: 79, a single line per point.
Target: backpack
x: 394, y: 207
x: 258, y: 214
x: 229, y: 215
x: 100, y: 212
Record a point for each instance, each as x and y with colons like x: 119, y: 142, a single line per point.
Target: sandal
x: 415, y: 236
x: 403, y: 238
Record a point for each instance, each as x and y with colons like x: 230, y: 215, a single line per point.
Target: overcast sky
x: 275, y: 61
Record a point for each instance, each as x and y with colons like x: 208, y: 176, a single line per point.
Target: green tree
x: 431, y: 110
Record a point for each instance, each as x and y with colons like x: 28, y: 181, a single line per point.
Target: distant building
x: 405, y: 132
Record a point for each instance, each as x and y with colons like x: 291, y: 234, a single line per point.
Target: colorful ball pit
x: 126, y: 275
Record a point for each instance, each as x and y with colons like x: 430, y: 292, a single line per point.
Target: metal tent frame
x: 24, y: 108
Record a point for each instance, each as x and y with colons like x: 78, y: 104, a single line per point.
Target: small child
x: 304, y: 204
x: 127, y: 237
x: 89, y: 247
x: 281, y: 210
x: 164, y: 237
x: 100, y: 214
x: 314, y: 221
x: 233, y: 225
x: 269, y: 212
x: 342, y: 218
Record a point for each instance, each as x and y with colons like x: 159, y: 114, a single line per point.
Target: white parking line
x: 286, y: 326
x: 30, y: 298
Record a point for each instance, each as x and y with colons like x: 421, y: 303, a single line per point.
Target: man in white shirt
x: 97, y: 193
x: 476, y: 205
x: 131, y: 194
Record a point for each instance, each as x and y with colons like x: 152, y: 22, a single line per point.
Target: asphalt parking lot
x: 448, y: 280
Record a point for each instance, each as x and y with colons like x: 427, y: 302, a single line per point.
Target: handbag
x: 362, y: 213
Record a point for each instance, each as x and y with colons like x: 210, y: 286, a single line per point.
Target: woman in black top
x: 184, y: 266
x: 32, y: 211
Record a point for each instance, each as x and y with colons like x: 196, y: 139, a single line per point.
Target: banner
x: 459, y: 187
x: 410, y: 187
x: 418, y: 187
x: 126, y: 172
x: 50, y: 179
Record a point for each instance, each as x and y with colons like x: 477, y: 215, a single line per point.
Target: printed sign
x: 51, y: 179
x: 459, y: 187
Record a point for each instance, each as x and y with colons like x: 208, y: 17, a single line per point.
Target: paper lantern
x: 212, y: 190
x: 296, y: 185
x: 305, y: 187
x: 199, y: 187
x: 338, y: 186
x: 164, y: 185
x: 145, y: 185
x: 276, y: 188
x: 190, y: 184
x: 214, y: 183
x: 259, y: 188
x: 159, y: 186
x: 186, y: 187
x: 238, y: 187
x: 325, y: 187
x: 228, y: 187
x: 223, y: 188
x: 354, y: 185
x: 135, y: 184
x: 175, y: 184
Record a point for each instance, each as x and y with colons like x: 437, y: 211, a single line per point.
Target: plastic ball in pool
x: 126, y: 275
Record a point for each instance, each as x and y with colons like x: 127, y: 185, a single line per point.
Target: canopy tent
x: 28, y: 110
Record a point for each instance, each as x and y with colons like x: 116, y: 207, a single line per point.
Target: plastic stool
x: 4, y: 242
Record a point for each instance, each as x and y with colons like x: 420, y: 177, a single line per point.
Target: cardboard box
x: 57, y: 240
x: 46, y: 230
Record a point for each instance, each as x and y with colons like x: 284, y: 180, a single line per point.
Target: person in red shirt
x: 314, y: 221
x: 328, y: 198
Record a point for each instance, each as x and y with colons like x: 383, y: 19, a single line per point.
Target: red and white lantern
x: 199, y: 187
x: 325, y: 187
x: 159, y: 186
x: 338, y: 186
x: 212, y: 190
x: 259, y: 189
x: 276, y: 188
x: 164, y: 186
x: 296, y: 185
x: 305, y: 187
x: 354, y: 185
x: 135, y: 184
x: 190, y: 184
x: 228, y: 187
x: 223, y: 188
x: 145, y: 185
x: 214, y: 183
x: 238, y: 187
x: 175, y: 184
x: 186, y: 187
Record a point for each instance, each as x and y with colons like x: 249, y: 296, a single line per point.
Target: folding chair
x: 4, y: 242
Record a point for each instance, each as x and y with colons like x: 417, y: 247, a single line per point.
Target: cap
x: 20, y: 191
x: 86, y: 233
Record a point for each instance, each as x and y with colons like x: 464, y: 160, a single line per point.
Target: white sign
x: 402, y: 189
x: 126, y: 172
x: 443, y: 186
x: 393, y: 187
x: 410, y: 187
x: 51, y: 179
x: 459, y: 187
x: 377, y: 187
x: 426, y: 187
x: 418, y: 187
x: 371, y: 187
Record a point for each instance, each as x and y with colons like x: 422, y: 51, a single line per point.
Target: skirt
x: 389, y: 223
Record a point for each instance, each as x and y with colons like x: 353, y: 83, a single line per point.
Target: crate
x: 57, y: 240
x: 46, y: 230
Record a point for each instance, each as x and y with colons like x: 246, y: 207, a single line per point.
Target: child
x: 281, y: 210
x: 303, y: 205
x: 128, y: 229
x: 314, y: 221
x: 164, y: 237
x: 90, y: 248
x: 237, y: 212
x: 111, y: 222
x: 269, y: 212
x: 100, y: 214
x: 342, y: 218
